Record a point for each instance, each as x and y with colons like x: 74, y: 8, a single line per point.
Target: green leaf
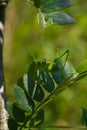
x: 37, y: 3
x: 32, y: 69
x: 58, y: 72
x: 12, y: 125
x: 54, y: 5
x: 28, y: 83
x: 55, y: 18
x: 20, y: 82
x: 82, y: 67
x: 33, y: 88
x: 70, y: 71
x: 46, y: 81
x: 58, y: 18
x: 58, y: 65
x: 84, y: 116
x: 61, y: 72
x: 22, y: 100
x: 38, y: 118
x: 15, y: 112
x: 59, y: 76
x: 37, y: 93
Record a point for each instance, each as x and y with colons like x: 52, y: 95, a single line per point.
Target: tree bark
x: 3, y: 112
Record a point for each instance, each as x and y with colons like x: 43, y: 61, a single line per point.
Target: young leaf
x: 38, y: 119
x: 42, y: 21
x: 49, y: 6
x: 22, y: 100
x: 15, y: 112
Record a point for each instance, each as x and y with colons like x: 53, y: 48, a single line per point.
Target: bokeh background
x: 25, y: 42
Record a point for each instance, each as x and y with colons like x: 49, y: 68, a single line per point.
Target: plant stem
x: 43, y: 103
x: 60, y: 127
x: 3, y: 112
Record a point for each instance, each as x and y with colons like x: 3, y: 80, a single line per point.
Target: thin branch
x: 60, y: 127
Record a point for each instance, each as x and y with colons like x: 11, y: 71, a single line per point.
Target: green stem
x: 60, y: 127
x: 43, y: 103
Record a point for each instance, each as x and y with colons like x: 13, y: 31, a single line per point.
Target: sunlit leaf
x: 70, y: 71
x: 22, y: 100
x: 29, y: 83
x: 41, y: 20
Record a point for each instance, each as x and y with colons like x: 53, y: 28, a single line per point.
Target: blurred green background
x: 25, y: 42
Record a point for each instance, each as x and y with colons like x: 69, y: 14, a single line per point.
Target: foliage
x: 48, y: 12
x: 44, y: 79
x: 38, y: 87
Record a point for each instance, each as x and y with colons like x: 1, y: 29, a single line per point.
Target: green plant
x: 45, y: 79
x: 35, y: 89
x: 49, y: 12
